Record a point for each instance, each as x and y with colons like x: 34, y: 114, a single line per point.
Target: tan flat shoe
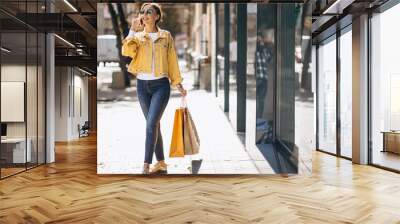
x: 159, y: 168
x: 146, y: 170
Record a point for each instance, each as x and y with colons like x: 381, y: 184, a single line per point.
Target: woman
x: 155, y: 64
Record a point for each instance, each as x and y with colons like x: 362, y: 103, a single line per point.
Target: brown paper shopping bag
x: 190, y: 137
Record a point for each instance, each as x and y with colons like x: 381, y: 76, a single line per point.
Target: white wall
x: 71, y: 94
x: 61, y: 103
x: 33, y: 125
x: 12, y: 73
x: 81, y: 89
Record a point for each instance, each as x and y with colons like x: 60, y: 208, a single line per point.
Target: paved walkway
x: 121, y: 134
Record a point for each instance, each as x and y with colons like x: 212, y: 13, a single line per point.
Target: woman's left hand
x: 182, y: 90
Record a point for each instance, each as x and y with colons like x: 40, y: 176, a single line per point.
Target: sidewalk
x: 121, y: 135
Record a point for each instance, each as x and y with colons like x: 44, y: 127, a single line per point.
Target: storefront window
x: 232, y: 65
x: 221, y: 55
x: 283, y: 89
x: 304, y: 90
x: 264, y: 68
x: 251, y: 85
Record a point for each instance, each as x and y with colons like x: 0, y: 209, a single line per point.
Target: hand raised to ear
x: 136, y: 25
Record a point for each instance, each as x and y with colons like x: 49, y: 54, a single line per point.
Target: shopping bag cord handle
x: 183, y: 102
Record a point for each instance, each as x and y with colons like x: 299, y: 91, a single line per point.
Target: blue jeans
x: 153, y: 98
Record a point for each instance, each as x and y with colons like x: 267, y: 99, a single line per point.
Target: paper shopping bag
x: 191, y: 139
x: 177, y: 145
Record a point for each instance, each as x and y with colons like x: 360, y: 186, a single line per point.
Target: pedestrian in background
x: 263, y: 58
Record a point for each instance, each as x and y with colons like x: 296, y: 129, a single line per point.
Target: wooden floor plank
x: 70, y: 191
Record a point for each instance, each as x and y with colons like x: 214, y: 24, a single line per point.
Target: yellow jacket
x: 140, y: 49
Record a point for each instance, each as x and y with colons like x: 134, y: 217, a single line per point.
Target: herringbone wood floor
x: 70, y: 191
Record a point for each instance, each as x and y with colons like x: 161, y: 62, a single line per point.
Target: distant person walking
x: 263, y: 58
x: 155, y: 64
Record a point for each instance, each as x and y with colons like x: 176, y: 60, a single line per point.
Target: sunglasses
x: 148, y: 12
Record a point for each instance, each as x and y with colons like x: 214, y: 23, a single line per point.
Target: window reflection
x: 304, y: 89
x: 232, y: 65
x: 264, y: 62
x: 221, y: 55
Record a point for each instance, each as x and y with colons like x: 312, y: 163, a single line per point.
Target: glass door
x: 327, y: 95
x: 346, y: 93
x: 22, y: 88
x: 14, y: 153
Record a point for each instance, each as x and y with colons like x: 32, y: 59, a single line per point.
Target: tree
x: 118, y: 26
x: 123, y: 23
x: 171, y: 19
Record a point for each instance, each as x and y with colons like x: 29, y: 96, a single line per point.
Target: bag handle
x: 183, y: 102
